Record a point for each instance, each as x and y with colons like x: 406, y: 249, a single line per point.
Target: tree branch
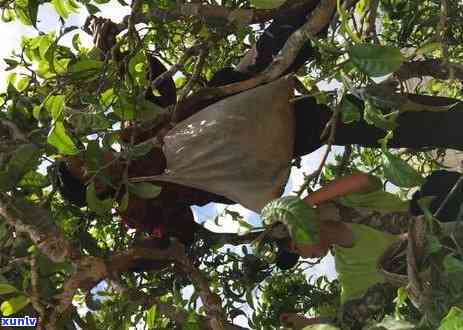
x: 432, y: 68
x: 36, y: 222
x: 318, y: 20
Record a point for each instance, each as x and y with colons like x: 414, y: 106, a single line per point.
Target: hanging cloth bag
x: 240, y: 147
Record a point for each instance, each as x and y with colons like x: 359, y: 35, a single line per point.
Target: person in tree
x: 356, y: 247
x: 414, y: 130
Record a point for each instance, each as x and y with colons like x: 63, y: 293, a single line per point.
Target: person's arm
x: 354, y: 183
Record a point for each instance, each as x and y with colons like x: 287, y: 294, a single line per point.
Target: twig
x: 449, y: 195
x: 174, y: 68
x: 371, y: 27
x: 196, y: 74
x: 331, y: 125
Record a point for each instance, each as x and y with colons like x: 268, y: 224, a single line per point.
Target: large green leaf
x: 55, y: 105
x: 145, y: 190
x: 378, y: 200
x: 376, y: 60
x: 267, y: 4
x: 453, y: 320
x: 399, y: 172
x: 27, y: 10
x: 299, y: 217
x: 14, y: 305
x: 64, y: 8
x: 61, y: 141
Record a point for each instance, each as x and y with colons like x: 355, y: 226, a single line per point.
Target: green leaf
x: 267, y: 4
x: 376, y: 60
x: 22, y: 83
x: 137, y: 68
x: 145, y: 190
x: 124, y: 203
x: 61, y: 141
x: 399, y: 172
x: 350, y: 111
x: 6, y: 289
x: 27, y: 10
x: 378, y: 200
x: 150, y: 317
x: 345, y: 23
x: 61, y: 8
x: 123, y: 107
x: 374, y: 116
x: 24, y: 159
x: 299, y: 217
x: 86, y: 67
x: 452, y: 265
x: 108, y: 97
x: 55, y: 105
x: 34, y: 179
x: 428, y: 48
x: 14, y: 305
x: 100, y: 207
x: 453, y: 320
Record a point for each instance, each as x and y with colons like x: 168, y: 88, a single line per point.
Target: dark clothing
x: 438, y: 185
x: 415, y: 129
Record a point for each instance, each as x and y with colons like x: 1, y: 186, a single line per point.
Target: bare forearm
x: 357, y: 182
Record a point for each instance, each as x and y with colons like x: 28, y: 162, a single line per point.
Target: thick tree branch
x: 205, y: 12
x: 37, y: 224
x: 431, y: 68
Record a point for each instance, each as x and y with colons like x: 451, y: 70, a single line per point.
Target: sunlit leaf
x: 22, y: 83
x: 453, y: 320
x: 14, y: 305
x: 55, y: 105
x: 34, y: 180
x: 27, y: 10
x: 61, y: 141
